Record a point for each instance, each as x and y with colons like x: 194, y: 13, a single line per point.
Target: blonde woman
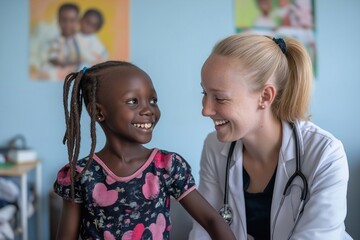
x: 279, y: 175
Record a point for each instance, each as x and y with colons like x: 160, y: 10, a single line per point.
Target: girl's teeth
x: 143, y: 125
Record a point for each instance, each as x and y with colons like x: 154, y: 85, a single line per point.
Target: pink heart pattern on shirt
x: 135, y: 234
x: 151, y: 188
x: 108, y: 236
x: 157, y: 229
x: 104, y: 197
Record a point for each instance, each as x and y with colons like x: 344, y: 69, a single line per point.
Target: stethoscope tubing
x: 231, y: 151
x: 297, y: 173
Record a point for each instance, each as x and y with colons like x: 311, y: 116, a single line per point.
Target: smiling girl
x: 123, y: 191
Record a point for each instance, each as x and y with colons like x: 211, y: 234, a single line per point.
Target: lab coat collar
x: 288, y: 146
x: 225, y: 149
x: 237, y: 154
x: 287, y: 150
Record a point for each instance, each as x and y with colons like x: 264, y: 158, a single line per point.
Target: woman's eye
x: 220, y: 100
x: 153, y: 101
x: 203, y: 93
x: 132, y: 101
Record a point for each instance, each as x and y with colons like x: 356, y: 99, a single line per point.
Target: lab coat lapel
x: 285, y: 168
x: 236, y: 193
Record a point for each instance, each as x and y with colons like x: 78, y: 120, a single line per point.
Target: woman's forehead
x: 223, y: 73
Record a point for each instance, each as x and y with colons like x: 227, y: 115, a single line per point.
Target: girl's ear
x: 267, y: 96
x: 99, y: 116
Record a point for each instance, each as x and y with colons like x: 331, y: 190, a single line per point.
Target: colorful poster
x: 279, y: 18
x: 65, y: 36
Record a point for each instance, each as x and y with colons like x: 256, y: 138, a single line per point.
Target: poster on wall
x: 67, y: 35
x: 279, y: 18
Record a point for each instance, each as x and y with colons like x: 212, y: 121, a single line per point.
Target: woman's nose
x: 208, y: 108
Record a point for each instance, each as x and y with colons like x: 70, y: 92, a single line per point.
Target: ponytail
x: 294, y: 99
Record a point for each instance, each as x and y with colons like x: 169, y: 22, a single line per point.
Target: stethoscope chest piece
x: 226, y: 213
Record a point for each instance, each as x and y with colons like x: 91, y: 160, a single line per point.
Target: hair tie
x: 84, y: 70
x: 281, y: 43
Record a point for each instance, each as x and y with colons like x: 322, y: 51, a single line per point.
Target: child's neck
x: 126, y: 160
x: 124, y: 152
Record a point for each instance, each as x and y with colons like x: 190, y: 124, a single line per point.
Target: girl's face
x: 128, y: 103
x: 228, y: 99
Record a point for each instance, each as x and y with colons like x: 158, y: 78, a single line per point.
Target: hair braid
x: 92, y: 112
x: 72, y: 135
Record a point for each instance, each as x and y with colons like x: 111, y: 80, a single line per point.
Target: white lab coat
x: 324, y: 164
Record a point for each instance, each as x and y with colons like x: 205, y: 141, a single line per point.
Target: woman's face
x: 228, y: 100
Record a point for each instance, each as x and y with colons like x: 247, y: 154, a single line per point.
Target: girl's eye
x: 203, y: 93
x: 132, y: 101
x: 153, y: 101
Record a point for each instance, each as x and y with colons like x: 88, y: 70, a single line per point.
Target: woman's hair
x: 289, y: 66
x: 82, y: 87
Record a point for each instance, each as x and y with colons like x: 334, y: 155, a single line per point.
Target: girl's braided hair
x: 82, y: 87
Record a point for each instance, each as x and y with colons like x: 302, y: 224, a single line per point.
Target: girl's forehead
x: 123, y: 72
x: 124, y: 77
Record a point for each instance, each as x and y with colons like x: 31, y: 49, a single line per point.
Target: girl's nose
x: 147, y: 110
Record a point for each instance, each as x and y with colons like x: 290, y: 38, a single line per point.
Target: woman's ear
x: 99, y: 116
x: 267, y: 96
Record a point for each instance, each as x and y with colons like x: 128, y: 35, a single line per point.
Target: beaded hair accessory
x: 84, y: 70
x: 281, y: 43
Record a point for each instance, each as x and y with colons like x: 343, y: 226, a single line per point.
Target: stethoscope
x: 226, y: 211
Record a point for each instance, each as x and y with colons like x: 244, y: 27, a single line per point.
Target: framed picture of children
x: 66, y: 36
x: 279, y: 18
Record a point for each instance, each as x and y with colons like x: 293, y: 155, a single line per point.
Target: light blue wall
x: 170, y: 40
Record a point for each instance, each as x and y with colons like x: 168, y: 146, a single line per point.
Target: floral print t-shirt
x: 128, y: 208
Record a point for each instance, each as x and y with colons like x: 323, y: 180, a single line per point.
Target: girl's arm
x: 197, y: 206
x: 69, y: 222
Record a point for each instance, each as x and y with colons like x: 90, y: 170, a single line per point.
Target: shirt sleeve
x: 180, y: 181
x: 62, y: 185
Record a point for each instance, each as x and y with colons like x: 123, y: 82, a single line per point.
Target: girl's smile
x: 145, y: 126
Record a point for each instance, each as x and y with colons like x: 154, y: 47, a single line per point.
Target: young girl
x: 123, y: 191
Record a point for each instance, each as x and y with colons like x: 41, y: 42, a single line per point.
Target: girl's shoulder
x: 169, y: 160
x: 64, y: 173
x: 165, y: 155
